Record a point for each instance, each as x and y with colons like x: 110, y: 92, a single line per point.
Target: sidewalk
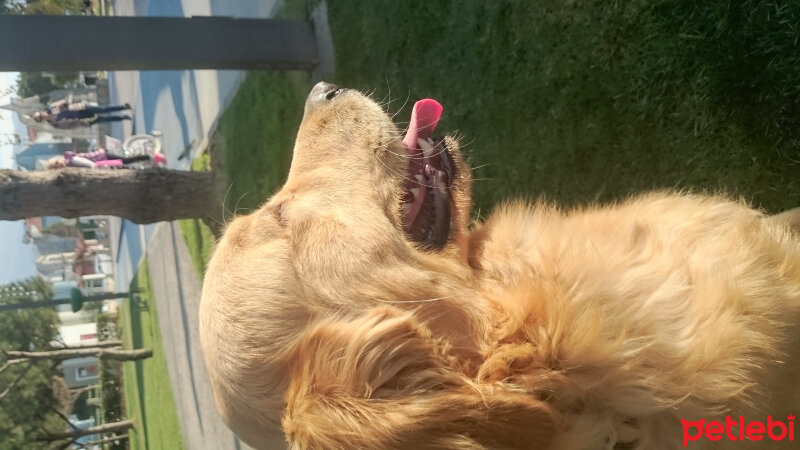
x: 176, y: 290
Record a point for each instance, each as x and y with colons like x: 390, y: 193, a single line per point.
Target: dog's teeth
x: 440, y: 183
x: 415, y: 192
x: 427, y: 149
x: 406, y: 208
x: 438, y: 177
x: 420, y: 179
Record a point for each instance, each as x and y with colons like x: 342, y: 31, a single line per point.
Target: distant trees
x: 42, y: 83
x: 11, y: 7
x: 27, y: 400
x: 51, y: 7
x: 32, y: 405
x: 62, y: 229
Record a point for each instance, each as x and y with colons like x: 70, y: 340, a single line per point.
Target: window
x: 87, y: 372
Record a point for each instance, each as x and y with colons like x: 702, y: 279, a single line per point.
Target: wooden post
x: 73, y: 43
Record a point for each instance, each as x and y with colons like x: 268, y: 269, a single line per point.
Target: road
x: 176, y: 289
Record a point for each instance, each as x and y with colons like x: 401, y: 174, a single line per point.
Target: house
x: 80, y: 372
x: 78, y: 329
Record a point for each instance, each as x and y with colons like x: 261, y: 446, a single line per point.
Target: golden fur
x: 595, y: 328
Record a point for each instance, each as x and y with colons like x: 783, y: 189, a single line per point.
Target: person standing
x: 65, y: 115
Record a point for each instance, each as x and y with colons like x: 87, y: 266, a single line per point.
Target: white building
x: 75, y: 331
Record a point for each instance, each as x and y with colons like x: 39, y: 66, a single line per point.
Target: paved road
x: 176, y: 289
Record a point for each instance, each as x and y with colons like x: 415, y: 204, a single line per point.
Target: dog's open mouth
x: 427, y: 195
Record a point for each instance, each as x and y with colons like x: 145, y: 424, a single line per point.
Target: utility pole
x: 77, y: 299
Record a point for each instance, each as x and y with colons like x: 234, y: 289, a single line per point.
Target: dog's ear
x: 381, y: 381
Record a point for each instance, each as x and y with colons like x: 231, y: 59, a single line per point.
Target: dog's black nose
x: 322, y: 92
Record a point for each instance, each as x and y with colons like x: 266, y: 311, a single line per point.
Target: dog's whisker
x: 462, y: 145
x: 439, y: 151
x: 414, y: 181
x: 224, y: 201
x: 236, y: 207
x: 408, y: 97
x: 482, y: 166
x: 214, y: 219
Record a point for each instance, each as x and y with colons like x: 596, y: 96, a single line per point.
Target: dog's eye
x: 278, y: 212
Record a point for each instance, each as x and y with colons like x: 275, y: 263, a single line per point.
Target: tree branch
x: 77, y: 392
x: 100, y: 353
x: 66, y: 445
x: 66, y: 419
x: 11, y: 362
x: 100, y: 344
x: 14, y: 383
x: 113, y: 427
x: 107, y: 440
x: 142, y: 196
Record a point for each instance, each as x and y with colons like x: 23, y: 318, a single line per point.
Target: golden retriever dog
x: 358, y: 309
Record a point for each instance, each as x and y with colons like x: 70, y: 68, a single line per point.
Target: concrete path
x: 176, y: 291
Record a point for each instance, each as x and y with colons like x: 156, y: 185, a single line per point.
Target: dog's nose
x: 321, y: 93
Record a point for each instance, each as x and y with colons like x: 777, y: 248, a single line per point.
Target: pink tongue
x: 424, y: 119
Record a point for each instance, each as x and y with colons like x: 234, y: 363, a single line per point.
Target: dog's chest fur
x: 613, y: 315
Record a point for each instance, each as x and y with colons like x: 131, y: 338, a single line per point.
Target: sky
x: 17, y: 260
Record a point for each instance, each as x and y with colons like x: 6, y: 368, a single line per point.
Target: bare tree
x: 142, y: 196
x: 115, y: 438
x: 99, y: 352
x: 70, y: 436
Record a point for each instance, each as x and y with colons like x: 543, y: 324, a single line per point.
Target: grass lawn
x: 148, y: 395
x: 257, y: 134
x: 197, y: 235
x: 574, y: 101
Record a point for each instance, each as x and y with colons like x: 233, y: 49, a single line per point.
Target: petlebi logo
x: 738, y: 430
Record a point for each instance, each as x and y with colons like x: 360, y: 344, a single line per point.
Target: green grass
x: 198, y: 236
x: 258, y: 131
x: 148, y: 395
x: 574, y: 101
x: 200, y: 241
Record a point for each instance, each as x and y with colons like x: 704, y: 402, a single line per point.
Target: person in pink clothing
x: 101, y: 158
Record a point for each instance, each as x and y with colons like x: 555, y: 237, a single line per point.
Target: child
x: 101, y: 158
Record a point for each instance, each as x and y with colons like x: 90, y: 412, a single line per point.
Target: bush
x: 107, y: 329
x: 111, y: 390
x: 111, y: 393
